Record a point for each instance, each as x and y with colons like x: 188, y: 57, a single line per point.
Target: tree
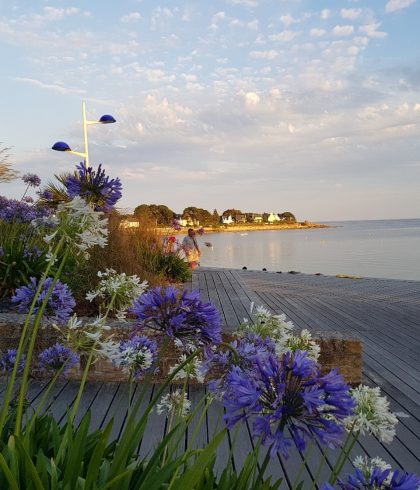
x: 6, y: 171
x: 231, y: 212
x: 161, y: 213
x: 287, y: 216
x: 216, y: 217
x: 201, y: 215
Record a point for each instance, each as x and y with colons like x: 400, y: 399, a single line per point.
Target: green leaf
x: 76, y: 452
x: 30, y: 467
x: 190, y: 478
x: 13, y: 484
x: 95, y: 462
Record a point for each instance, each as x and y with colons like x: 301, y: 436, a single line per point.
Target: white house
x: 273, y: 218
x: 227, y: 220
x: 130, y: 223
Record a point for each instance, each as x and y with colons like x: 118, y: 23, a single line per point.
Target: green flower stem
x: 302, y: 466
x: 33, y: 337
x: 346, y: 452
x: 82, y: 386
x: 319, y: 469
x: 23, y: 338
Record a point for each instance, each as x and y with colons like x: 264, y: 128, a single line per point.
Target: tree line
x: 164, y: 216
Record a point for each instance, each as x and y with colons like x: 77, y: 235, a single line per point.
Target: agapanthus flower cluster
x: 95, y: 187
x: 372, y: 414
x: 32, y: 253
x: 288, y: 394
x: 136, y: 356
x: 59, y: 306
x: 180, y: 315
x: 201, y: 231
x: 268, y: 325
x: 31, y: 180
x: 175, y: 403
x: 12, y: 210
x: 375, y: 474
x: 192, y: 370
x: 58, y: 357
x: 242, y: 352
x: 81, y: 226
x: 119, y: 288
x: 88, y: 337
x: 28, y: 199
x: 8, y: 361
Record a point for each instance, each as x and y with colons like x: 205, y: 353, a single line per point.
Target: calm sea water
x: 385, y: 248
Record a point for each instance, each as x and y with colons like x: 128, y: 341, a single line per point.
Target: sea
x: 379, y: 248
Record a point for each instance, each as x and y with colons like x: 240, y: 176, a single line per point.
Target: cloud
x: 288, y: 20
x: 317, y: 32
x: 266, y: 55
x: 284, y: 36
x: 325, y: 14
x: 245, y: 3
x: 131, y: 17
x: 252, y: 99
x: 394, y: 5
x: 371, y: 30
x: 351, y: 13
x: 343, y: 30
x: 50, y: 86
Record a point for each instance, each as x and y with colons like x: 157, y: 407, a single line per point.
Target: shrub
x: 173, y: 268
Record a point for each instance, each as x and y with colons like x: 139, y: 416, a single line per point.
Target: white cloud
x: 267, y: 55
x: 252, y: 99
x: 394, y: 5
x: 317, y: 32
x: 131, y: 17
x: 350, y: 13
x: 371, y: 30
x: 325, y: 14
x: 245, y: 3
x: 50, y: 86
x: 284, y: 36
x: 343, y: 30
x: 288, y: 20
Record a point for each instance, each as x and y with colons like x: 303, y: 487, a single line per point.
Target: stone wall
x: 337, y: 350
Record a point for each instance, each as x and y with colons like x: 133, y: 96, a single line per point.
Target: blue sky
x: 309, y: 106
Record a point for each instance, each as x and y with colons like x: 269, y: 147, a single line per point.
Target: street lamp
x: 62, y: 146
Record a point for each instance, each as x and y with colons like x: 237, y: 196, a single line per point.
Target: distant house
x: 240, y: 218
x: 130, y: 223
x: 273, y: 218
x: 254, y: 218
x: 182, y: 222
x: 227, y: 220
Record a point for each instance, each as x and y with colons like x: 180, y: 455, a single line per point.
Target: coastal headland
x: 241, y: 228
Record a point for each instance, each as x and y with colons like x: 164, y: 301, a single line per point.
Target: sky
x: 259, y: 105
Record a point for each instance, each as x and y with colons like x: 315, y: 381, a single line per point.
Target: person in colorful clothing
x: 191, y: 249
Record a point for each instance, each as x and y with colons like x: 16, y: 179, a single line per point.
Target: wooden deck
x: 385, y: 314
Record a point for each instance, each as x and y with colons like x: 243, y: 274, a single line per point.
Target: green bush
x: 173, y: 268
x: 22, y: 256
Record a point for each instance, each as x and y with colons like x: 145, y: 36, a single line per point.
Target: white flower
x: 175, y: 403
x: 266, y: 324
x: 192, y: 370
x: 367, y: 467
x: 118, y: 288
x: 131, y: 359
x: 303, y: 341
x: 372, y: 414
x: 49, y: 257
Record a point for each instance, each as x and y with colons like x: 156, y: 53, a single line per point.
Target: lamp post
x: 62, y: 146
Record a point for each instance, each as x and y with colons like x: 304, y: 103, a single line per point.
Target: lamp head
x: 107, y: 119
x: 61, y: 146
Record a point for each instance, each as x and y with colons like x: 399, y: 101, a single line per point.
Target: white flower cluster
x: 79, y: 223
x: 175, y: 403
x: 266, y: 324
x: 131, y: 359
x: 372, y: 414
x: 192, y: 370
x: 87, y: 337
x: 368, y: 465
x: 122, y: 288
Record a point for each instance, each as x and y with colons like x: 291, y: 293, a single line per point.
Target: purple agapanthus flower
x: 8, y: 360
x: 28, y: 199
x: 378, y: 480
x: 55, y: 357
x: 12, y: 210
x: 59, y: 306
x: 94, y: 186
x: 292, y: 394
x: 176, y: 225
x: 32, y: 253
x: 201, y: 231
x: 47, y: 195
x: 31, y: 180
x: 181, y: 315
x: 137, y: 356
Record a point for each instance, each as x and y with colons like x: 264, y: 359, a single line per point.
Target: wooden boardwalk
x: 384, y: 314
